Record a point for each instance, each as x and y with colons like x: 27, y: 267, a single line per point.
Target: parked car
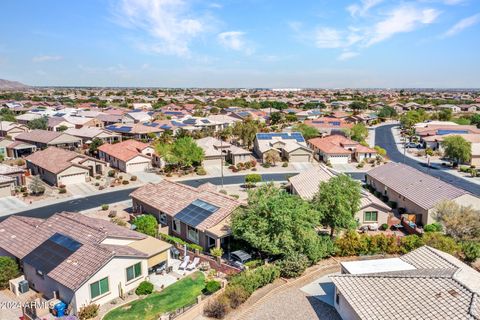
x: 239, y: 258
x: 413, y: 145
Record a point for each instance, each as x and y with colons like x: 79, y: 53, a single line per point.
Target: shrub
x: 216, y: 252
x: 111, y: 173
x: 223, y: 191
x: 254, y: 169
x: 251, y: 280
x: 97, y: 184
x: 252, y: 264
x: 392, y: 204
x: 105, y: 207
x: 253, y: 163
x: 471, y: 250
x: 217, y: 308
x: 441, y: 242
x: 285, y: 164
x: 146, y: 224
x: 8, y: 270
x: 232, y: 167
x: 144, y: 288
x: 429, y: 152
x: 133, y: 178
x: 384, y: 226
x: 88, y: 312
x: 293, y: 265
x: 253, y: 178
x: 236, y: 196
x: 236, y: 296
x: 62, y: 190
x: 125, y: 182
x: 464, y: 169
x: 201, y: 171
x: 118, y: 221
x: 266, y: 165
x: 360, y: 165
x: 20, y: 162
x: 433, y: 227
x: 211, y: 287
x: 410, y: 242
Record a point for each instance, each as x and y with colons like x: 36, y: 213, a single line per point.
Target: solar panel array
x: 119, y: 129
x: 178, y: 124
x: 444, y: 132
x: 284, y: 135
x: 190, y: 121
x: 151, y: 124
x: 196, y: 212
x: 335, y: 123
x: 52, y: 252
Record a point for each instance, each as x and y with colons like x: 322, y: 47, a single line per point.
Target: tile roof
x: 41, y: 136
x: 6, y: 169
x: 124, y: 150
x: 171, y: 197
x: 21, y: 236
x: 54, y: 159
x: 420, y: 188
x: 338, y: 144
x: 435, y: 290
x: 306, y: 183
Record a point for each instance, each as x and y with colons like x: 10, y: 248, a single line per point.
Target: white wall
x: 343, y: 308
x: 115, y: 270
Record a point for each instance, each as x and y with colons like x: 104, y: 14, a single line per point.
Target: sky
x: 242, y: 43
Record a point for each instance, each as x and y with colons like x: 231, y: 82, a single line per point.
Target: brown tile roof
x: 171, y: 197
x: 41, y: 136
x: 338, y: 144
x: 441, y: 287
x: 124, y: 150
x: 420, y: 188
x: 20, y: 236
x: 306, y: 183
x: 54, y: 159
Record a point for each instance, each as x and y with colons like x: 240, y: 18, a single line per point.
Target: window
x: 99, y: 288
x: 192, y: 234
x: 39, y: 272
x: 163, y: 218
x: 337, y: 298
x: 134, y: 271
x: 176, y: 226
x: 370, y: 216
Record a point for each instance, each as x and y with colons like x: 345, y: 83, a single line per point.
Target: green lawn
x: 179, y: 294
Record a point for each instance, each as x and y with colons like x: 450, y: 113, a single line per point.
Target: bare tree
x: 460, y: 222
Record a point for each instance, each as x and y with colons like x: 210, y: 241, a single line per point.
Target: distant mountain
x: 7, y: 84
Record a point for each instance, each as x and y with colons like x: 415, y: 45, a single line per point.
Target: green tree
x: 457, y: 149
x: 411, y: 117
x: 146, y: 224
x: 277, y: 223
x: 8, y: 270
x: 338, y: 200
x: 252, y: 179
x: 39, y: 123
x: 387, y: 112
x: 96, y: 142
x: 62, y: 128
x: 184, y: 152
x: 307, y: 131
x: 246, y: 131
x: 475, y: 119
x: 380, y: 151
x: 275, y: 117
x: 445, y: 114
x: 7, y: 115
x: 358, y: 132
x: 214, y: 110
x: 356, y: 106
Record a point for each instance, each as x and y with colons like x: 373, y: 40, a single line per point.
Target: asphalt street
x: 384, y: 138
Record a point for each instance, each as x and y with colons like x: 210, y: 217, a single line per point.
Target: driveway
x: 302, y: 166
x: 9, y: 204
x: 148, y: 177
x: 384, y: 138
x: 81, y: 189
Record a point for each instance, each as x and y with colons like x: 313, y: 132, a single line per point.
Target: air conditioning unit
x: 23, y: 286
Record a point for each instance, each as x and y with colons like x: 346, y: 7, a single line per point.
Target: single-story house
x: 16, y: 149
x: 372, y: 210
x: 15, y: 172
x: 62, y: 167
x: 138, y: 131
x: 11, y: 129
x: 425, y: 283
x: 142, y: 106
x: 198, y: 215
x: 215, y: 149
x: 339, y: 149
x: 78, y: 259
x: 87, y: 134
x: 43, y: 139
x: 290, y: 146
x: 128, y: 156
x: 329, y: 125
x: 7, y: 184
x: 416, y: 192
x: 27, y: 117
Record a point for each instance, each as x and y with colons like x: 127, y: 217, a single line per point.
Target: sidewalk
x: 435, y: 164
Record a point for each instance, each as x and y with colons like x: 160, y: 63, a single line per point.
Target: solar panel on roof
x: 196, y: 212
x: 444, y: 132
x: 205, y: 121
x: 65, y: 242
x: 190, y: 121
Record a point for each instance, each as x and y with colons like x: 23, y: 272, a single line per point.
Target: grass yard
x: 179, y: 294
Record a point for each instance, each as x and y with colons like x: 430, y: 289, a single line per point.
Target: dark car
x: 239, y: 258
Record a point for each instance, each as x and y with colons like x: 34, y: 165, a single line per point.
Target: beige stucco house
x: 129, y: 156
x: 289, y: 146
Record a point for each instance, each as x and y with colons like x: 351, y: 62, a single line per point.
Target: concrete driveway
x: 148, y: 177
x: 9, y: 204
x: 81, y: 189
x: 321, y: 289
x: 302, y: 166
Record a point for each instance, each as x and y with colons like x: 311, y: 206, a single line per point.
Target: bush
x: 266, y: 165
x: 293, y: 265
x: 8, y: 270
x: 111, y: 173
x: 118, y: 221
x: 429, y: 152
x: 88, y: 312
x: 175, y: 240
x: 464, y: 169
x: 144, y: 288
x: 253, y: 163
x: 20, y: 162
x: 285, y: 164
x: 253, y: 178
x: 360, y: 165
x: 216, y: 252
x: 410, y: 242
x: 392, y: 204
x: 146, y: 224
x: 201, y: 171
x: 471, y: 250
x: 105, y: 207
x: 125, y: 182
x: 217, y: 308
x: 433, y: 227
x: 211, y: 287
x: 236, y: 296
x: 441, y: 242
x: 251, y: 280
x: 384, y: 226
x: 133, y: 178
x: 62, y: 190
x: 252, y: 264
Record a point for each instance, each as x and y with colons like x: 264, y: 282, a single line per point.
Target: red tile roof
x: 124, y: 150
x: 338, y: 144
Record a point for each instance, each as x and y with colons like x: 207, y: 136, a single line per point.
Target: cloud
x: 235, y: 40
x: 400, y: 20
x: 347, y: 55
x: 463, y: 24
x: 361, y: 9
x: 169, y: 24
x: 46, y: 58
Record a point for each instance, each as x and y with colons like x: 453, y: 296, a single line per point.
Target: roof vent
x: 453, y: 292
x: 13, y: 236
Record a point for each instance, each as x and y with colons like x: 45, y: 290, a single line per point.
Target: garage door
x: 212, y: 162
x: 339, y: 159
x: 5, y: 191
x: 137, y: 167
x: 299, y: 158
x: 72, y: 179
